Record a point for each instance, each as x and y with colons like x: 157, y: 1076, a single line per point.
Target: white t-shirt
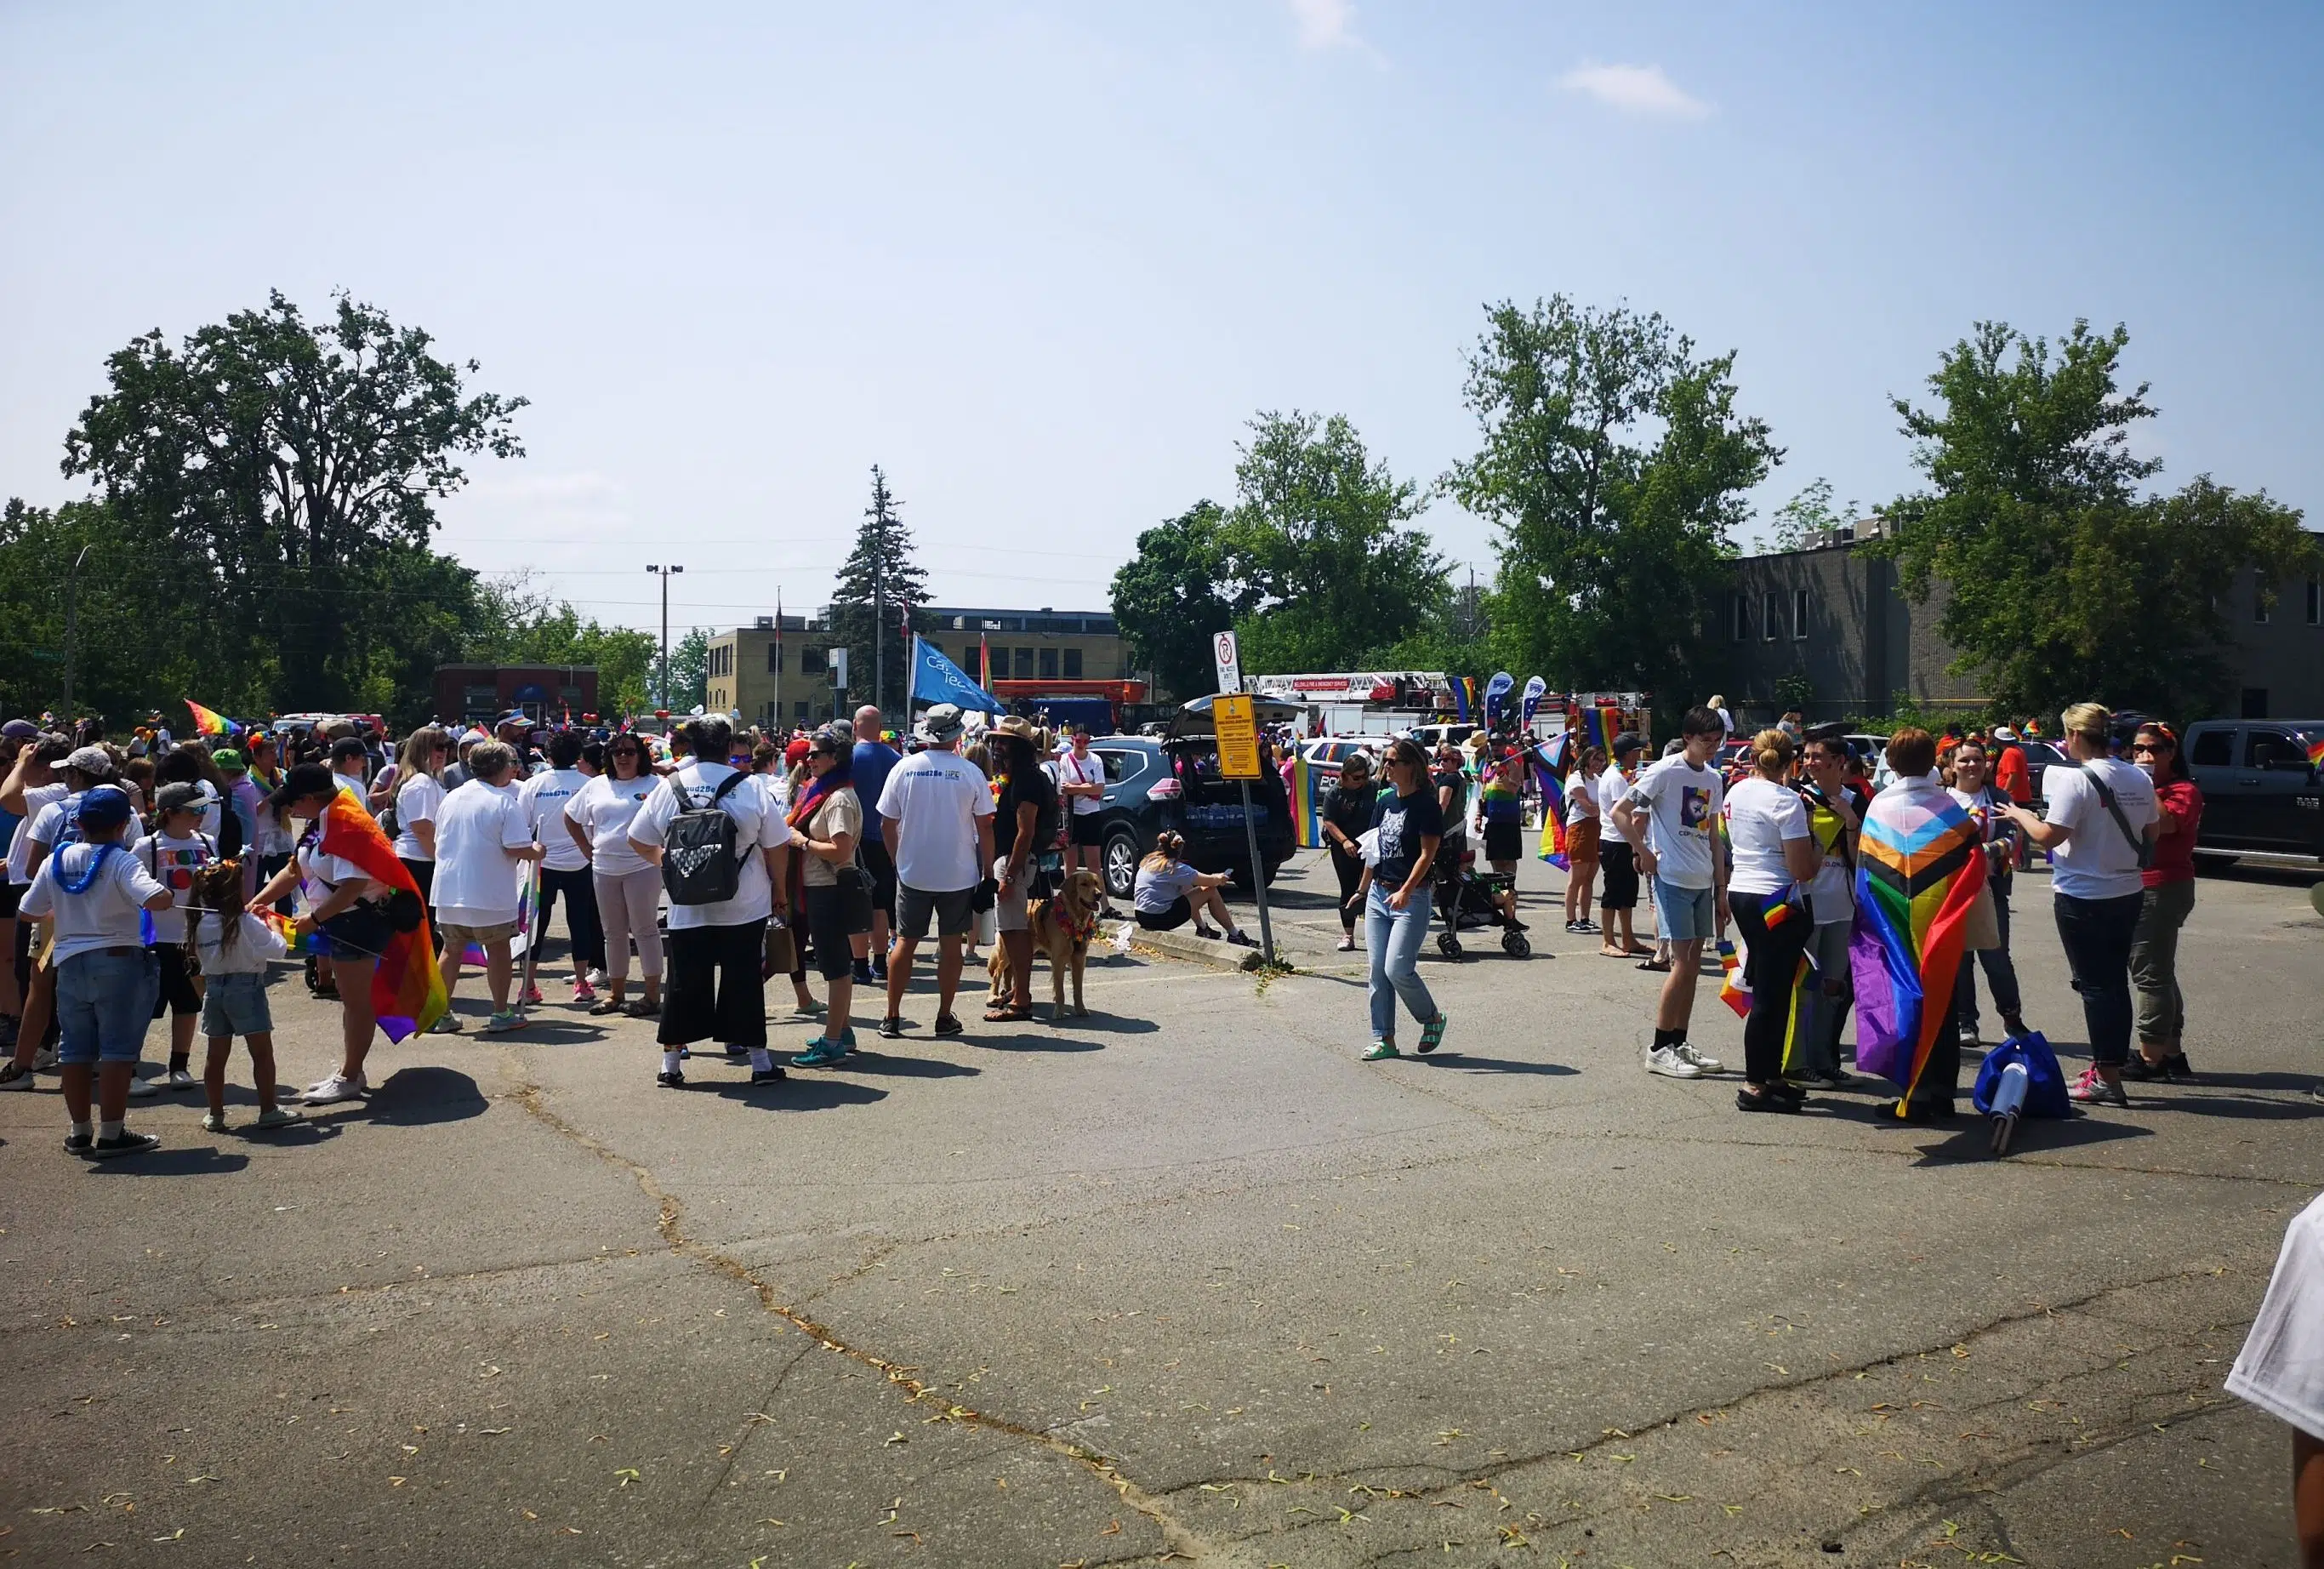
x: 419, y: 801
x: 1070, y: 770
x: 476, y: 878
x: 1833, y: 891
x: 755, y: 829
x: 1761, y: 816
x: 172, y: 861
x: 604, y: 808
x: 775, y: 786
x: 545, y: 798
x: 935, y: 799
x: 1612, y: 786
x: 319, y: 873
x: 102, y: 916
x: 2099, y: 861
x: 1580, y: 796
x: 37, y: 799
x: 2281, y: 1369
x: 255, y: 943
x: 1682, y: 802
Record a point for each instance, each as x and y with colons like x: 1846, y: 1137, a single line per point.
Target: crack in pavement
x: 750, y: 1424
x: 670, y: 1222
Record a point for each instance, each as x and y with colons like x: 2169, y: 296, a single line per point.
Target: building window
x: 2316, y: 602
x: 1738, y: 619
x: 812, y: 662
x: 1024, y: 664
x: 1048, y: 664
x: 801, y: 711
x: 1771, y: 614
x: 774, y: 659
x: 1799, y: 615
x: 1073, y: 658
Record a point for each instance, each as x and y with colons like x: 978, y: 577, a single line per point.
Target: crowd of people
x: 166, y: 877
x: 1822, y: 864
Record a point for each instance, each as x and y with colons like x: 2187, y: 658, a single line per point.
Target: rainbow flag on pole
x: 1306, y: 816
x: 1550, y: 762
x: 1920, y: 865
x: 210, y: 721
x: 407, y: 993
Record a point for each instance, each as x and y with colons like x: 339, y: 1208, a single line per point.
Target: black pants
x: 2097, y: 935
x: 582, y: 927
x: 1350, y: 870
x: 268, y: 865
x: 712, y: 988
x: 423, y: 872
x: 1771, y: 963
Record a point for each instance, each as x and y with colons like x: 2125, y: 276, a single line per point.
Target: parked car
x: 2261, y: 794
x: 1172, y: 782
x: 1326, y: 753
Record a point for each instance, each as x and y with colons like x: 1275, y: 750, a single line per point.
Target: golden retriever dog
x: 1062, y: 927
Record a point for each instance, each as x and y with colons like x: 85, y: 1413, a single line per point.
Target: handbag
x: 1981, y: 930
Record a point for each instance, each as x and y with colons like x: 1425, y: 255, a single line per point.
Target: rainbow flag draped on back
x: 1550, y: 761
x: 1919, y: 868
x: 1307, y: 818
x: 407, y: 993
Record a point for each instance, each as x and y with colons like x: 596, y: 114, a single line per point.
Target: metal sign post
x: 1233, y: 716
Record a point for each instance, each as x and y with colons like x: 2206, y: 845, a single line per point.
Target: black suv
x: 2260, y: 792
x: 1172, y: 782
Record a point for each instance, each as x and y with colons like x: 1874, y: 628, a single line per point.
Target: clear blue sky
x: 1044, y: 260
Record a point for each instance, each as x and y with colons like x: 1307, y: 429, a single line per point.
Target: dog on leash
x: 1062, y: 926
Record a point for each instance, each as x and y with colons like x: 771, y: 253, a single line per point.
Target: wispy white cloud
x: 1634, y: 89
x: 1324, y: 23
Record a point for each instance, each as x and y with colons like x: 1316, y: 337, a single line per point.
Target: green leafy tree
x: 1614, y: 465
x: 877, y: 584
x: 1318, y: 541
x: 1170, y: 597
x: 270, y: 467
x: 690, y: 670
x: 1810, y: 515
x: 2065, y: 582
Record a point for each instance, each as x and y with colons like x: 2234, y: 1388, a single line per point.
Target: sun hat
x: 2004, y: 733
x: 939, y: 724
x: 229, y: 761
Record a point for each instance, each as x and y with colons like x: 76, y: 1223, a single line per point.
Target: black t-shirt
x: 1403, y: 821
x: 1349, y: 810
x: 1028, y: 784
x: 1457, y: 818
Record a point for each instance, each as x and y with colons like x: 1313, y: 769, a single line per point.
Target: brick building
x: 468, y: 694
x: 1833, y: 617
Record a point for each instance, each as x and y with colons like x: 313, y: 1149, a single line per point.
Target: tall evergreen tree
x: 871, y: 605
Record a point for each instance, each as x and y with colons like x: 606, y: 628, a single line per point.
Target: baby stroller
x: 1466, y: 897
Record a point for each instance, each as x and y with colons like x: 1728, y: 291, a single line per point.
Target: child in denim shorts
x: 234, y: 948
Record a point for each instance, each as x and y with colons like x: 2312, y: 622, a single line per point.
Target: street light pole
x: 665, y: 573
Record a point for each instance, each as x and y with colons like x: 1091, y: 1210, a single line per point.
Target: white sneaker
x: 180, y: 1079
x: 139, y: 1089
x: 1710, y: 1064
x: 44, y: 1061
x: 337, y: 1087
x: 13, y: 1077
x: 1667, y: 1062
x: 598, y: 977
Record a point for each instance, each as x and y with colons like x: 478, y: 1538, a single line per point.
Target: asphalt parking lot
x: 1184, y: 1281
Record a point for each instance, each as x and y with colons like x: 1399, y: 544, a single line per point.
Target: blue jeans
x: 1394, y: 938
x: 2000, y: 971
x: 1685, y: 914
x: 104, y: 1001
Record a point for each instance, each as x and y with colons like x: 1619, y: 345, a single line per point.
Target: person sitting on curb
x: 1169, y: 892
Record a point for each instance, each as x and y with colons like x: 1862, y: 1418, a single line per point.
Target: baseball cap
x: 939, y: 724
x: 229, y: 761
x: 182, y: 797
x: 103, y: 806
x: 19, y: 729
x: 92, y: 760
x: 1628, y: 742
x: 307, y: 779
x: 795, y: 753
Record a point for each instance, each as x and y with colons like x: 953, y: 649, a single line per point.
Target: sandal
x: 608, y: 1005
x: 642, y: 1008
x: 1005, y: 1015
x: 1656, y: 966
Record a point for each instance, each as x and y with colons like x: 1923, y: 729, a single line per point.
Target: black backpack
x: 698, y: 864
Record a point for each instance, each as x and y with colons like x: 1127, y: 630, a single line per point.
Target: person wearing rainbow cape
x: 1919, y: 865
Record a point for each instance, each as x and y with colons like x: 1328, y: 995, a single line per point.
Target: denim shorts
x: 235, y: 1004
x: 1684, y: 914
x: 104, y: 1001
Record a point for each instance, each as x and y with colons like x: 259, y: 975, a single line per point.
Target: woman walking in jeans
x: 1408, y: 827
x: 2168, y: 901
x: 2101, y: 819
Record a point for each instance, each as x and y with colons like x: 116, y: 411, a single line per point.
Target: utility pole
x: 665, y: 573
x: 879, y: 601
x: 72, y: 627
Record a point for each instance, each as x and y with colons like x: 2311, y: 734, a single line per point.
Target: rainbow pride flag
x: 2316, y: 750
x: 527, y: 876
x: 1550, y: 761
x: 1306, y: 805
x: 1735, y: 990
x: 210, y: 721
x: 1919, y: 867
x: 293, y: 945
x: 407, y: 993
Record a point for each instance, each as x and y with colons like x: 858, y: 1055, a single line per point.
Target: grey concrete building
x: 1828, y: 621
